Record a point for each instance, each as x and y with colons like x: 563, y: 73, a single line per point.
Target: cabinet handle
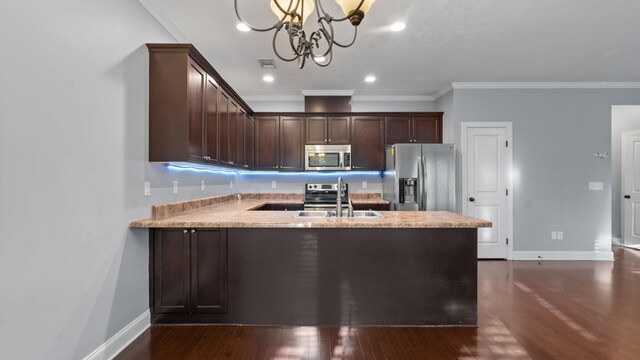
x: 185, y: 231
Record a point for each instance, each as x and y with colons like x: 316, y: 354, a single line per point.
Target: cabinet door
x: 292, y: 143
x: 316, y: 131
x: 399, y: 129
x: 339, y: 131
x: 248, y: 147
x: 233, y: 133
x: 427, y: 129
x: 266, y: 139
x: 367, y: 143
x: 170, y: 271
x: 211, y: 118
x: 208, y: 271
x: 196, y: 78
x: 241, y: 138
x: 223, y: 127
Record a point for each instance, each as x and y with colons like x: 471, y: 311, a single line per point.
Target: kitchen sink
x: 325, y: 214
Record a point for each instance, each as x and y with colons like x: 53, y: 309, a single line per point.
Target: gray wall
x: 624, y: 118
x: 555, y: 134
x: 73, y: 127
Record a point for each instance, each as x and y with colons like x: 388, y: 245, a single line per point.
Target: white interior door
x: 487, y: 165
x: 631, y: 189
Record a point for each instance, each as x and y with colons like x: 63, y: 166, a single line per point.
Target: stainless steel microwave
x: 327, y: 157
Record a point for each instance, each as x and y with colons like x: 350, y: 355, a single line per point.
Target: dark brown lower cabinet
x: 189, y: 271
x: 374, y: 207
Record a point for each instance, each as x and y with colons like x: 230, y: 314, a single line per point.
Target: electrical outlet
x: 364, y: 184
x: 202, y: 186
x: 560, y: 235
x: 274, y: 185
x: 554, y: 235
x: 175, y: 187
x: 147, y: 188
x: 231, y: 184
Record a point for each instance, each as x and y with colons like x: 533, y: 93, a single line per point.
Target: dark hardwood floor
x: 527, y: 310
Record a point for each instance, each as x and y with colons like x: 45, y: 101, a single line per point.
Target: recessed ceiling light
x: 268, y: 78
x: 242, y: 27
x: 370, y: 79
x: 320, y: 59
x: 398, y: 26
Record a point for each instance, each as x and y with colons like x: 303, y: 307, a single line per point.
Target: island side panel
x: 353, y: 276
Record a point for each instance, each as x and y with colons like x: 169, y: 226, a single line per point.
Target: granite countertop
x: 228, y: 212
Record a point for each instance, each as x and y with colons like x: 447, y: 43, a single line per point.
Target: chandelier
x: 318, y: 46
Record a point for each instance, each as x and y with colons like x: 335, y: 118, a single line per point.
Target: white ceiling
x: 445, y: 41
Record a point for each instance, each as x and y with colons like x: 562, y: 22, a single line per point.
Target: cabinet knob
x: 329, y: 140
x: 185, y: 231
x: 472, y: 199
x: 193, y: 231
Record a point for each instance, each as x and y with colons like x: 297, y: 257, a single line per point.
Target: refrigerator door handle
x: 420, y: 184
x: 425, y: 193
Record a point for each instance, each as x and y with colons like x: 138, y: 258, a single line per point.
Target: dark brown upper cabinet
x: 266, y: 139
x: 367, y: 143
x: 189, y: 271
x: 241, y: 138
x: 418, y: 128
x: 279, y: 143
x: 191, y: 109
x: 427, y: 128
x: 333, y: 130
x: 248, y: 142
x: 211, y: 118
x: 291, y: 157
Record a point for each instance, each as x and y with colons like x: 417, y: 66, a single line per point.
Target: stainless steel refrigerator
x: 420, y: 177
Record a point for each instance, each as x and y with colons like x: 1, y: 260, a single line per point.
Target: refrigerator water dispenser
x: 408, y: 191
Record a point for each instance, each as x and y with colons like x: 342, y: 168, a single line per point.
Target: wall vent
x: 267, y: 63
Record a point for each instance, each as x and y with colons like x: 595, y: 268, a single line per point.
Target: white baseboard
x: 616, y: 241
x: 122, y: 339
x: 563, y: 255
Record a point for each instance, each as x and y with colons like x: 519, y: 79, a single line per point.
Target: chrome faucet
x: 339, y: 198
x: 350, y: 211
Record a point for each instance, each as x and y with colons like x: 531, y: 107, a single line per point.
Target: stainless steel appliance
x: 327, y: 157
x: 324, y: 196
x: 420, y: 177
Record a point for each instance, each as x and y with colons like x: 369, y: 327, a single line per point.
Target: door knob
x: 472, y: 199
x: 627, y: 196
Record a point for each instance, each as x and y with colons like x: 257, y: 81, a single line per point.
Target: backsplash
x: 262, y: 183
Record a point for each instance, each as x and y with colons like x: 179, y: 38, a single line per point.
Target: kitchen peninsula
x: 218, y: 261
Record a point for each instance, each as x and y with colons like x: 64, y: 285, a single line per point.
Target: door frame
x: 509, y: 159
x: 623, y: 158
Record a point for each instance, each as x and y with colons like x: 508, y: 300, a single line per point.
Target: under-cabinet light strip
x: 218, y: 170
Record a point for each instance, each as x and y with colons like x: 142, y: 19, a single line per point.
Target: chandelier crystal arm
x: 355, y: 36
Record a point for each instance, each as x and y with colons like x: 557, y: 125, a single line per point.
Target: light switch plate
x: 554, y: 235
x: 147, y: 188
x: 274, y: 185
x: 202, y: 185
x: 596, y: 186
x: 364, y: 184
x: 175, y: 187
x: 560, y: 235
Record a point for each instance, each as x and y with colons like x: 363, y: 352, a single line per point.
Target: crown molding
x: 164, y: 20
x: 294, y: 98
x: 393, y: 98
x: 444, y: 91
x: 545, y: 85
x: 328, y: 92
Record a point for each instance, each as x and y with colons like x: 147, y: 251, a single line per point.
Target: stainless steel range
x: 324, y: 196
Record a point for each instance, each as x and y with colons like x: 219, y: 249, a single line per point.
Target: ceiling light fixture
x: 242, y: 27
x: 370, y: 79
x: 268, y: 78
x: 292, y: 15
x: 398, y: 27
